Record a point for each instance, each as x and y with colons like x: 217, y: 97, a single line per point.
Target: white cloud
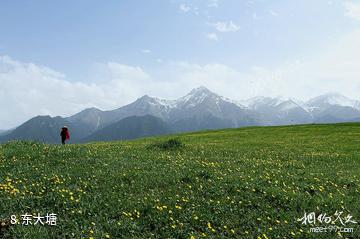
x: 273, y: 13
x: 28, y: 90
x: 255, y: 16
x: 121, y: 71
x: 212, y: 36
x: 189, y: 9
x: 146, y: 51
x: 196, y: 10
x: 229, y: 26
x: 335, y: 68
x: 184, y: 7
x: 352, y: 9
x: 220, y: 78
x: 213, y: 3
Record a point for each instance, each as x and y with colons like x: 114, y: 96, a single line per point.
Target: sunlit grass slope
x: 236, y: 183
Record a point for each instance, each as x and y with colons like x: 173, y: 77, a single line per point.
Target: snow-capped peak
x: 196, y: 96
x: 200, y: 90
x: 157, y: 101
x: 333, y: 99
x: 280, y: 103
x: 258, y: 101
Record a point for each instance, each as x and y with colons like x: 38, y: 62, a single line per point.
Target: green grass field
x: 236, y: 183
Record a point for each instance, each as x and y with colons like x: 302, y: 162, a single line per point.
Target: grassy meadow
x: 235, y: 183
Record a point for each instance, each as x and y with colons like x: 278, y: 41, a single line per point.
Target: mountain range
x: 198, y: 110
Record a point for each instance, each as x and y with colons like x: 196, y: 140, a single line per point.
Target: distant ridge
x: 199, y: 109
x: 131, y: 128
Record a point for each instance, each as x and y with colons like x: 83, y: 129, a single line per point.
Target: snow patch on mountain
x: 237, y: 103
x: 165, y: 102
x: 287, y: 105
x: 258, y: 101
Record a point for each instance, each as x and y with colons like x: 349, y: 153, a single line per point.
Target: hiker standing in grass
x: 65, y: 135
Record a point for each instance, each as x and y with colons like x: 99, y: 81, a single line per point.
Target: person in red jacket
x: 65, y: 135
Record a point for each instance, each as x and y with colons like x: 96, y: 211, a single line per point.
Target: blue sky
x: 70, y: 36
x: 116, y: 51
